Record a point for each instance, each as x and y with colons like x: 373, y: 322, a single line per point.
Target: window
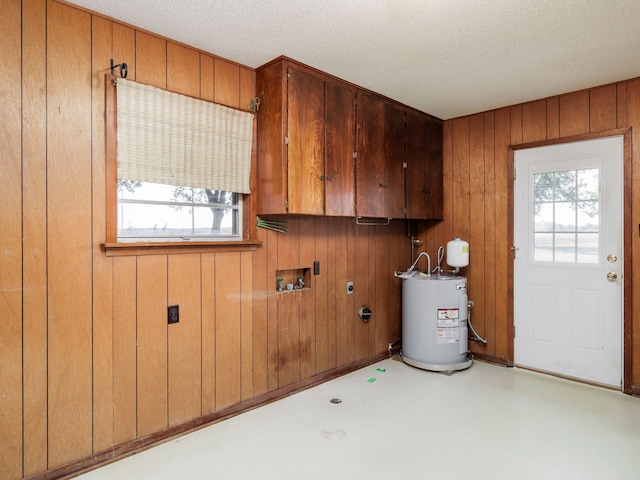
x: 156, y: 212
x: 178, y: 173
x: 566, y: 216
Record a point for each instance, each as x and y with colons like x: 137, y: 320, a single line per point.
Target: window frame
x: 113, y: 247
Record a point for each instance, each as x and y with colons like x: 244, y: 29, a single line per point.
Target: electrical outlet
x: 173, y: 314
x: 349, y: 288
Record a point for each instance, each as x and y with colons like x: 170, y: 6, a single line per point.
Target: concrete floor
x: 396, y: 421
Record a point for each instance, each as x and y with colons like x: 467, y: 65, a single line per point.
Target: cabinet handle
x: 426, y: 190
x: 329, y: 178
x: 383, y: 185
x: 322, y: 177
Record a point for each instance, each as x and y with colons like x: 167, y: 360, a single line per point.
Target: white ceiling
x: 445, y: 57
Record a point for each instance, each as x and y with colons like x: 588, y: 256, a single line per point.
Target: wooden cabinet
x: 380, y: 157
x: 311, y: 126
x: 306, y: 140
x: 423, y: 171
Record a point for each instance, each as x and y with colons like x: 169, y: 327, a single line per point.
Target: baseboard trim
x: 132, y: 447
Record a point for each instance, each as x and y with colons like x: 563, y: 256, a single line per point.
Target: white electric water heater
x: 434, y: 322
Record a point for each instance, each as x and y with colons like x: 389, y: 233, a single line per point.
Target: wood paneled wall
x: 87, y: 360
x: 477, y: 206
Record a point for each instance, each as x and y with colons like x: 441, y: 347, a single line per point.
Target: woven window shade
x: 168, y: 138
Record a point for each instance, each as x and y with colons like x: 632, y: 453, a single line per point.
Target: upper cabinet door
x: 370, y: 156
x: 424, y: 166
x: 306, y: 143
x: 340, y: 130
x: 380, y: 156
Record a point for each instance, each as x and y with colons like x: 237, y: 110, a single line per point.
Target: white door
x: 568, y: 259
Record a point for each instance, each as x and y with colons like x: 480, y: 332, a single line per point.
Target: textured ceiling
x: 445, y: 57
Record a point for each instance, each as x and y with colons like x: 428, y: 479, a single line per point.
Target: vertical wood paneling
x: 362, y: 264
x: 272, y: 309
x: 11, y: 430
x: 332, y: 291
x: 125, y: 341
x: 308, y: 306
x: 227, y: 87
x: 380, y: 299
x: 208, y: 306
x: 602, y: 108
x: 183, y: 70
x: 228, y: 321
x: 633, y: 118
x: 70, y: 417
x: 503, y: 131
x: 621, y: 112
x: 516, y: 125
x: 124, y: 48
x: 443, y: 231
x: 477, y: 182
x: 289, y: 337
x: 247, y: 88
x: 152, y: 364
x: 553, y: 117
x: 460, y: 180
x: 103, y: 428
x: 151, y: 60
x: 206, y: 77
x: 489, y: 241
x: 260, y: 315
x: 534, y: 125
x: 34, y: 224
x: 395, y: 262
x: 321, y: 287
x: 574, y: 113
x: 184, y: 339
x: 246, y: 311
x: 351, y: 299
x: 340, y: 257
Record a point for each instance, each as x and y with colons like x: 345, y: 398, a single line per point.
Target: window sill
x: 165, y: 248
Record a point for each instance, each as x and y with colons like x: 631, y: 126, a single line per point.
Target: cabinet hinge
x: 355, y: 155
x: 286, y: 203
x: 286, y: 140
x: 404, y: 164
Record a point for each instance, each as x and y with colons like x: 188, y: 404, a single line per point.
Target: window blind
x: 165, y: 137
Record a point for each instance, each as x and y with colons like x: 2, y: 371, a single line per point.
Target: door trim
x: 627, y: 300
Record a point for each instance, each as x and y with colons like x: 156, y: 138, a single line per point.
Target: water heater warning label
x: 448, y: 322
x: 447, y: 335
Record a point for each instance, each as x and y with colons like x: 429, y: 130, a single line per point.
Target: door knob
x: 612, y: 276
x: 612, y: 258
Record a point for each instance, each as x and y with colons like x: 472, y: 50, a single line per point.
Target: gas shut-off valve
x: 365, y: 314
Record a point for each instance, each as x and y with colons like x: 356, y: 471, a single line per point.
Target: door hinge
x: 513, y: 251
x: 404, y: 164
x: 514, y: 331
x: 286, y: 140
x: 355, y: 155
x: 514, y: 174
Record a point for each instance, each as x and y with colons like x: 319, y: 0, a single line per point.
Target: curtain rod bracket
x: 123, y: 69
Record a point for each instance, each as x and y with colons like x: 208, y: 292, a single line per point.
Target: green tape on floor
x: 381, y: 370
x: 371, y: 380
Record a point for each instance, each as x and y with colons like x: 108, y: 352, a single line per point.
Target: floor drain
x: 335, y: 400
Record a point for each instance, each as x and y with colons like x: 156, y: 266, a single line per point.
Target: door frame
x: 627, y: 300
